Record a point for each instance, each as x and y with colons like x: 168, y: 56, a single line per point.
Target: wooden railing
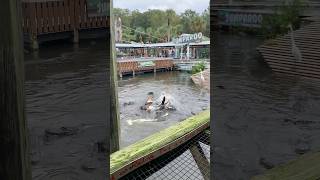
x: 132, y: 66
x: 58, y: 16
x: 138, y: 154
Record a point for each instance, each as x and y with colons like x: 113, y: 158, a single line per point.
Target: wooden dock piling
x: 114, y: 110
x: 14, y: 150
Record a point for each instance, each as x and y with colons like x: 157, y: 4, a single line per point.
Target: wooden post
x: 75, y: 35
x: 14, y: 152
x: 34, y: 42
x: 115, y: 119
x: 201, y: 160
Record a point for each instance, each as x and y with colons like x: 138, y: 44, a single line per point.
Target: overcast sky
x: 178, y: 5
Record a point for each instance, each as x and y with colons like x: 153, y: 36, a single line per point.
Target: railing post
x: 114, y: 120
x: 75, y: 35
x: 201, y: 160
x: 34, y: 42
x: 14, y: 152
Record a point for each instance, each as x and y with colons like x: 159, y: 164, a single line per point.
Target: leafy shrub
x: 288, y: 13
x: 200, y: 66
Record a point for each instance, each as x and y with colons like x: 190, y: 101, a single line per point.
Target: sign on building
x: 246, y: 19
x: 97, y: 8
x: 146, y: 64
x: 188, y: 38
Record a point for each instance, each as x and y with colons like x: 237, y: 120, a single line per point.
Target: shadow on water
x: 65, y: 104
x: 261, y: 119
x: 66, y: 108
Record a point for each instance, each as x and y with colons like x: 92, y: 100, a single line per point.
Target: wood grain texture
x: 157, y: 140
x: 14, y: 151
x: 114, y: 108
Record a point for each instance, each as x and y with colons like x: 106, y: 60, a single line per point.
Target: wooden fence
x: 133, y: 66
x: 58, y: 16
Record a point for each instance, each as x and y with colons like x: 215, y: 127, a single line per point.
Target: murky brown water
x: 261, y: 119
x: 137, y: 124
x: 66, y: 108
x: 66, y: 104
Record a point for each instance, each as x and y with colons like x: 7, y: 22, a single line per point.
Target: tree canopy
x: 161, y: 25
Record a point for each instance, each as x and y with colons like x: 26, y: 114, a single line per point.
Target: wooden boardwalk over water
x: 136, y: 65
x: 278, y: 52
x: 59, y: 19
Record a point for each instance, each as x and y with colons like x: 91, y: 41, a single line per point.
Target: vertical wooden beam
x: 114, y: 111
x: 201, y: 160
x: 66, y: 15
x: 82, y: 13
x: 38, y: 17
x: 45, y: 16
x: 72, y: 13
x: 14, y: 153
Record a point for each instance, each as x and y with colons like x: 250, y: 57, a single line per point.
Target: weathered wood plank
x: 201, y: 160
x: 50, y: 16
x: 39, y: 18
x: 45, y: 17
x: 305, y: 167
x: 290, y: 72
x: 67, y: 15
x: 309, y: 58
x: 313, y: 60
x: 157, y: 141
x: 115, y: 119
x: 33, y: 19
x: 14, y: 151
x: 77, y: 14
x: 72, y: 14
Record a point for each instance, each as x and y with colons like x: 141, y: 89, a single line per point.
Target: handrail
x: 130, y: 158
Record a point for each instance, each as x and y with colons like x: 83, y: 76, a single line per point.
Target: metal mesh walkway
x: 181, y: 151
x: 190, y: 160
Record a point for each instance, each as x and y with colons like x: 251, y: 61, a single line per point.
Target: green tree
x: 159, y: 26
x: 287, y: 13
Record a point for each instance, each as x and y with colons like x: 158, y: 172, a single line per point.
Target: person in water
x: 164, y: 105
x: 148, y: 105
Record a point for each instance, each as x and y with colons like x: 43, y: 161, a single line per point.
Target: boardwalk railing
x: 49, y: 17
x: 58, y: 16
x: 151, y: 155
x: 136, y: 65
